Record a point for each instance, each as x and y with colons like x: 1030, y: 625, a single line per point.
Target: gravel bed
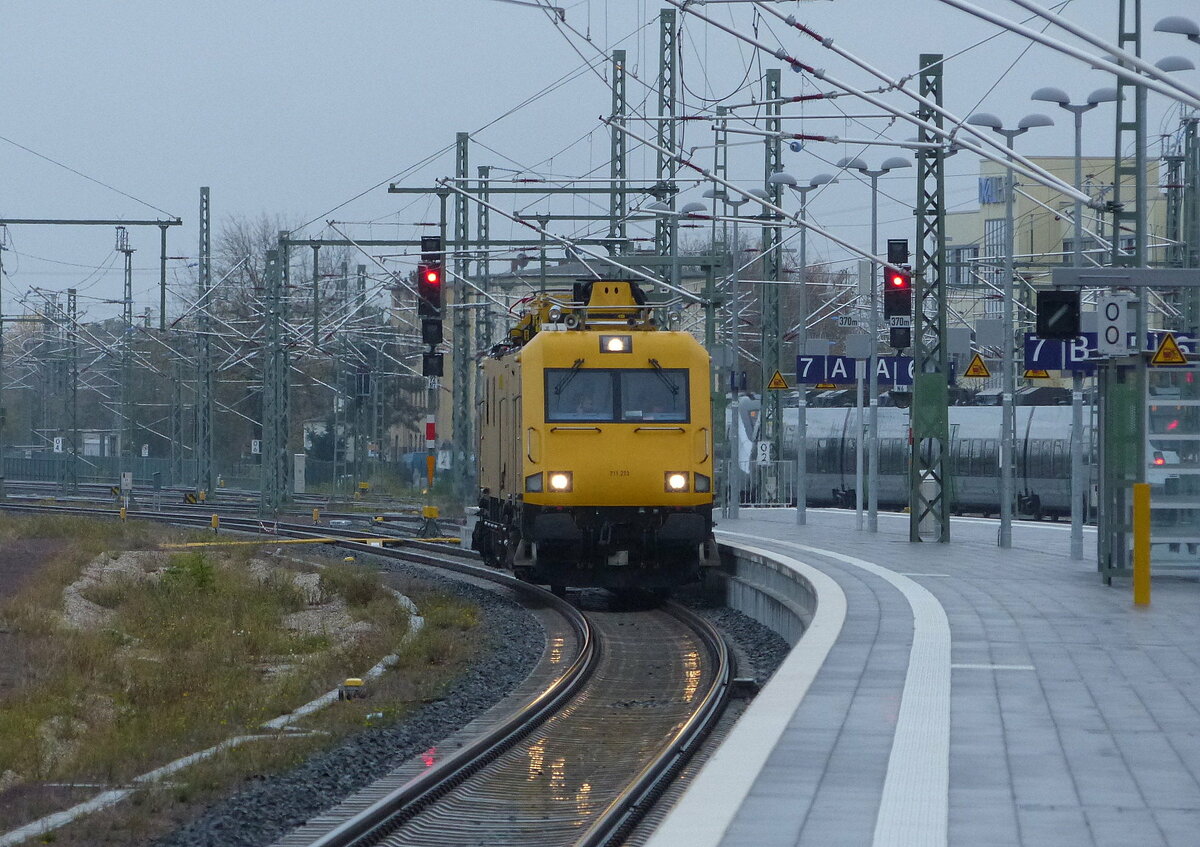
x: 266, y: 810
x: 759, y: 650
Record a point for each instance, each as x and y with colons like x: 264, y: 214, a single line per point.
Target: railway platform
x: 959, y: 694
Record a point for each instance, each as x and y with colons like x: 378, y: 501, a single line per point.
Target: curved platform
x: 958, y: 694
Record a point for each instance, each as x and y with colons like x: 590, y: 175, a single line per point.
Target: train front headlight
x: 616, y: 344
x: 533, y: 483
x: 677, y: 481
x: 560, y: 480
x: 703, y: 483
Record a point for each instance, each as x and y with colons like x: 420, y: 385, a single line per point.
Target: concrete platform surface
x: 972, y: 696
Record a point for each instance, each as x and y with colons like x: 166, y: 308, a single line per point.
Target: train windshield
x: 574, y: 394
x: 632, y: 396
x: 655, y: 395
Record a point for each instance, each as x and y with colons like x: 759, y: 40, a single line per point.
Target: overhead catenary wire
x: 984, y: 148
x: 1169, y: 88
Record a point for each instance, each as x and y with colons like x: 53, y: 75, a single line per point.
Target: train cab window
x: 654, y: 395
x: 574, y: 394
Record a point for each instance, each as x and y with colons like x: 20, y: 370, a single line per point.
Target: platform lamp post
x: 1057, y: 95
x: 784, y: 178
x: 733, y: 471
x: 1179, y: 25
x: 894, y: 163
x: 661, y: 208
x: 1009, y: 383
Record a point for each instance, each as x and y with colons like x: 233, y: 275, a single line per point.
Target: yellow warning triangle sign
x: 1037, y: 374
x: 1168, y: 352
x: 777, y: 383
x: 977, y: 368
x: 828, y: 386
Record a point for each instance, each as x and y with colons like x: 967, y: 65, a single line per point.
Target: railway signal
x: 429, y: 302
x: 897, y: 251
x: 429, y: 277
x: 1058, y: 315
x: 431, y: 364
x: 897, y: 292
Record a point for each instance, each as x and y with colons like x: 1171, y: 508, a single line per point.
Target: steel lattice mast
x: 204, y: 375
x: 771, y: 430
x: 929, y: 468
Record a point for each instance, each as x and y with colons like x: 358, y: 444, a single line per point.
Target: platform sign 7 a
x: 893, y: 371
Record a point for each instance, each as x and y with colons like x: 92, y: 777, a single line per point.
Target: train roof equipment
x: 596, y: 304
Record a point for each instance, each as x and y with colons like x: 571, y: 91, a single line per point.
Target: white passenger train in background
x: 1043, y: 456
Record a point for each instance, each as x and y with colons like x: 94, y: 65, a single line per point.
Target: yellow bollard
x: 1141, y: 544
x: 123, y: 513
x: 202, y: 495
x: 216, y: 523
x: 316, y: 516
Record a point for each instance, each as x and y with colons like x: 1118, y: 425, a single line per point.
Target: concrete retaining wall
x: 770, y: 593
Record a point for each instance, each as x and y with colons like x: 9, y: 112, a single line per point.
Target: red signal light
x: 897, y: 293
x: 429, y: 291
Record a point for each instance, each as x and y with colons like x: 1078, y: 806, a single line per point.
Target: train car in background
x: 1043, y: 457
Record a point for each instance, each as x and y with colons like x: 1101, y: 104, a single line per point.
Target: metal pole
x: 735, y: 472
x: 3, y: 393
x: 1077, y: 504
x: 802, y: 403
x: 204, y: 377
x: 858, y: 438
x: 1008, y: 387
x: 873, y: 443
x: 162, y: 278
x: 316, y: 278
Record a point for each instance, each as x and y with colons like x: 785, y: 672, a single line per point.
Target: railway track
x: 619, y: 703
x: 649, y: 686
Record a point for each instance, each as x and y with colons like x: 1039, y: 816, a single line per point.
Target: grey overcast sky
x: 293, y: 109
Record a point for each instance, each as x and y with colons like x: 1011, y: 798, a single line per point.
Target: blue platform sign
x: 893, y: 371
x: 1080, y: 354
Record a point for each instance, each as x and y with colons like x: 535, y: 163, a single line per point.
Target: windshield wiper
x: 566, y: 380
x: 662, y: 374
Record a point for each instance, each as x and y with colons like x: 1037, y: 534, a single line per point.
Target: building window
x: 994, y: 246
x: 964, y: 265
x: 991, y: 190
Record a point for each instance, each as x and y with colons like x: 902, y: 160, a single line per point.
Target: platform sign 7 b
x: 1042, y: 354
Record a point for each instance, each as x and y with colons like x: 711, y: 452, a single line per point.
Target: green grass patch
x: 195, y: 653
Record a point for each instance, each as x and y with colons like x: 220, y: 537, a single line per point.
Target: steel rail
x: 614, y: 824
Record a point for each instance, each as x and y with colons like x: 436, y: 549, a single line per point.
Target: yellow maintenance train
x: 596, y: 446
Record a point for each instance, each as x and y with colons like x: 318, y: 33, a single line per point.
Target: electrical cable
x: 88, y: 178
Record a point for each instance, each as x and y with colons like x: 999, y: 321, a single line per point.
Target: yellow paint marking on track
x: 325, y: 540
